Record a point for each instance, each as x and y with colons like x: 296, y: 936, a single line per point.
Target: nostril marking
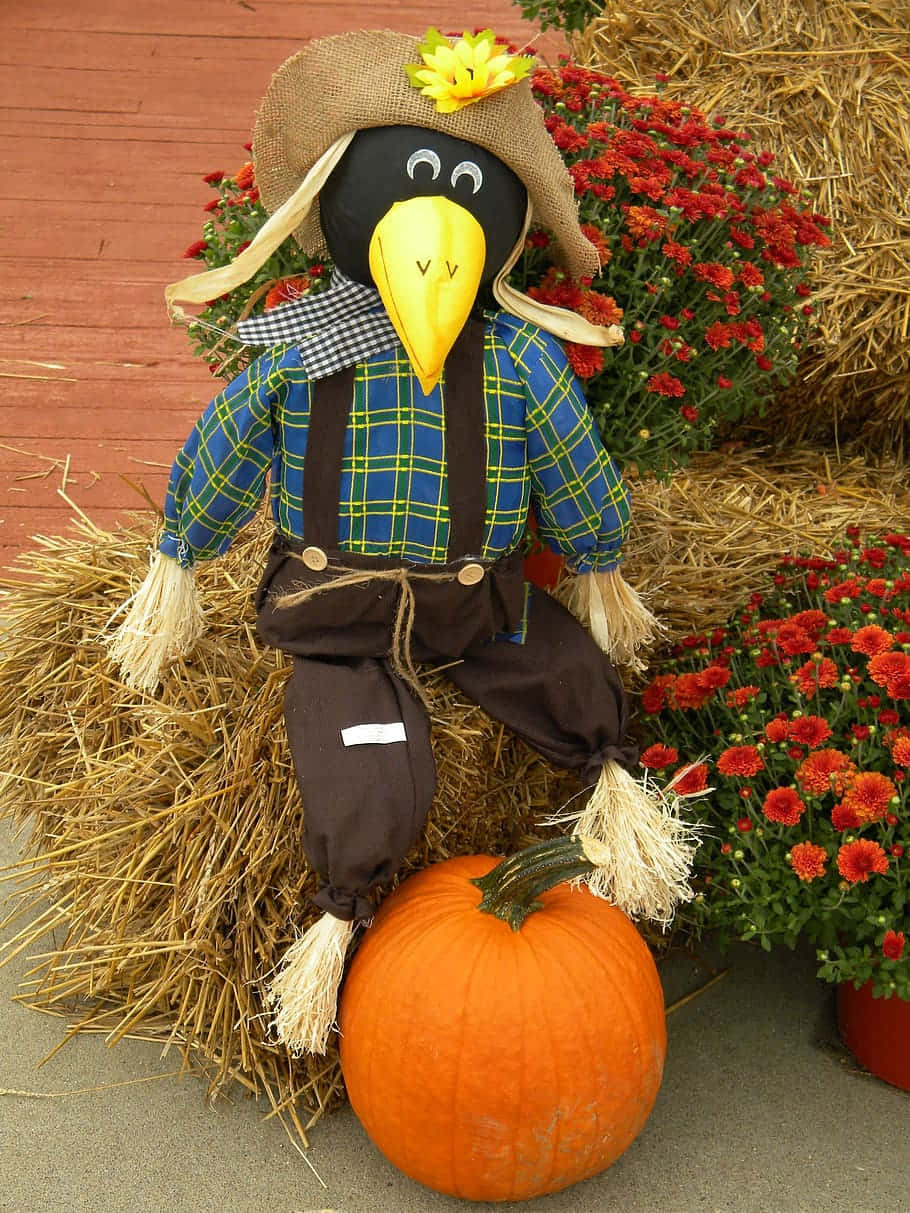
x: 423, y: 268
x: 452, y: 269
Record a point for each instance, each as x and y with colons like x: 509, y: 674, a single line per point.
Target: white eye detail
x: 424, y: 155
x: 468, y: 168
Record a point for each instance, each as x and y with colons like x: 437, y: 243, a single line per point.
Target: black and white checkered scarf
x: 332, y: 330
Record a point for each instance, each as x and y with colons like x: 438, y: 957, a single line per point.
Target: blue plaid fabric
x: 542, y: 445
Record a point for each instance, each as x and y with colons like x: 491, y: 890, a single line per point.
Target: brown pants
x: 360, y: 740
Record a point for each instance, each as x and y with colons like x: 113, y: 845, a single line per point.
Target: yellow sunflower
x: 456, y: 75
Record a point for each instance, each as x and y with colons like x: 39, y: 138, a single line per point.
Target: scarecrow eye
x: 468, y: 168
x: 424, y: 155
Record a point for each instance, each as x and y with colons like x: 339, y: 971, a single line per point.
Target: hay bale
x: 163, y: 832
x: 826, y: 87
x: 707, y: 539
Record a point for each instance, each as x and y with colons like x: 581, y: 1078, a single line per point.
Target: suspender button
x: 315, y: 559
x: 470, y: 574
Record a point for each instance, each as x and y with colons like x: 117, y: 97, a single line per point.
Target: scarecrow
x: 406, y: 435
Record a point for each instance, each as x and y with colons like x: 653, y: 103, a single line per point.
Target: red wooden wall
x: 110, y: 114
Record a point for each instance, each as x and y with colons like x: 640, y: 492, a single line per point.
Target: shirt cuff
x: 594, y: 562
x: 177, y: 549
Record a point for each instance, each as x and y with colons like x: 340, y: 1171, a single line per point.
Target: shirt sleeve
x: 581, y: 502
x: 218, y: 479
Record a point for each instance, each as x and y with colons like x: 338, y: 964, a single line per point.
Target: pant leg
x: 557, y: 691
x: 366, y: 793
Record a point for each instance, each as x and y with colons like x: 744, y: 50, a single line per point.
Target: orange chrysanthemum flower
x: 856, y: 861
x: 871, y: 640
x: 810, y: 731
x: 869, y: 794
x: 811, y: 676
x: 740, y: 760
x: 900, y: 751
x: 887, y: 667
x: 808, y: 860
x: 824, y: 771
x: 783, y: 805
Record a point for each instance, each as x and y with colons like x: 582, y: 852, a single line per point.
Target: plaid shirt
x: 541, y: 445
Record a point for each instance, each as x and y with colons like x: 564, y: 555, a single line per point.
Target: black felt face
x: 388, y: 164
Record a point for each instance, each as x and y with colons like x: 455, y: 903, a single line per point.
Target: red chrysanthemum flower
x: 657, y: 756
x: 665, y: 384
x: 777, y: 730
x: 856, y: 861
x: 872, y: 640
x: 823, y: 771
x: 810, y: 731
x: 808, y: 860
x: 739, y: 697
x: 844, y: 589
x: 714, y: 676
x: 792, y: 640
x: 196, y: 249
x: 843, y: 817
x: 740, y: 760
x: 893, y: 945
x: 839, y: 636
x: 689, y: 693
x: 900, y: 751
x: 783, y: 805
x: 814, y: 622
x: 868, y: 794
x: 689, y: 780
x: 654, y: 697
x: 287, y: 290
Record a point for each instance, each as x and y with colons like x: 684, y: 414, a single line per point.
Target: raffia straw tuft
x: 615, y: 614
x: 163, y: 623
x: 647, y: 849
x: 304, y: 992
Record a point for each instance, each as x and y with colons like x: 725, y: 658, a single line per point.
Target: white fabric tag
x: 374, y: 734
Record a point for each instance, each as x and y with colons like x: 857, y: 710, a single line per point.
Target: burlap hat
x: 342, y: 84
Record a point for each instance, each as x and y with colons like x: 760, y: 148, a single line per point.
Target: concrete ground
x: 761, y: 1111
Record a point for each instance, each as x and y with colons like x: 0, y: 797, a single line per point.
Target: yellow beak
x: 426, y: 258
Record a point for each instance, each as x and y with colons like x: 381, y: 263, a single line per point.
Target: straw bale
x: 825, y: 85
x: 704, y: 541
x: 163, y: 832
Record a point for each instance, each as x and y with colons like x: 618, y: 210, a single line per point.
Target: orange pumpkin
x: 504, y: 1054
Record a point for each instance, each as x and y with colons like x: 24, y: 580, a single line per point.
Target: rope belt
x: 400, y: 652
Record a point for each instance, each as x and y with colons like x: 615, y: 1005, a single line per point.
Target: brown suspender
x: 466, y: 449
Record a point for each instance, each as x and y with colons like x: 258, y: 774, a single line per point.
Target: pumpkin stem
x: 511, y: 889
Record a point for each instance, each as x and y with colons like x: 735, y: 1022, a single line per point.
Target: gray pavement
x: 761, y: 1111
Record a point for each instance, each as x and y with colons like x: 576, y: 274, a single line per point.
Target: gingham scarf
x: 332, y: 330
